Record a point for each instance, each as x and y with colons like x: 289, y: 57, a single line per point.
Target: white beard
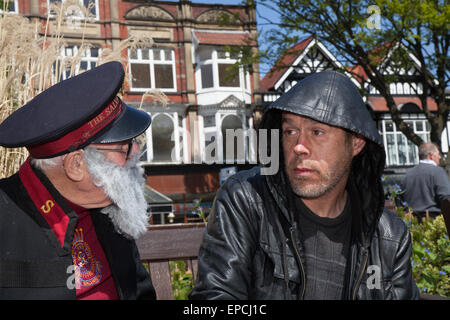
x: 124, y: 185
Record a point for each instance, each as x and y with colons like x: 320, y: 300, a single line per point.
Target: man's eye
x: 288, y: 132
x: 318, y: 132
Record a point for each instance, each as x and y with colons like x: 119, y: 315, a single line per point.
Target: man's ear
x: 75, y: 166
x: 358, y: 143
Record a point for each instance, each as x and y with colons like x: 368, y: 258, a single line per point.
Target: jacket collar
x: 428, y: 162
x: 280, y: 189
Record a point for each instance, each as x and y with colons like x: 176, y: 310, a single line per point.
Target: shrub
x: 182, y: 279
x: 430, y: 256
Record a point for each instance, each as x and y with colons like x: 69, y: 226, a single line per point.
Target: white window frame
x: 85, y: 57
x: 214, y: 60
x: 424, y: 133
x: 16, y: 7
x: 97, y: 13
x: 151, y: 63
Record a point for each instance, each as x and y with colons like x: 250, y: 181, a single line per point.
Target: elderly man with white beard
x: 70, y: 216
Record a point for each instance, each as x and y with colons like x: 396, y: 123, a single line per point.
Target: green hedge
x: 182, y: 279
x: 430, y: 253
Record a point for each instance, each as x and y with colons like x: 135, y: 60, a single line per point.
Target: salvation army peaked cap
x: 74, y: 113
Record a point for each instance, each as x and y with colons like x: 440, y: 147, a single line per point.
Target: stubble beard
x: 323, y: 182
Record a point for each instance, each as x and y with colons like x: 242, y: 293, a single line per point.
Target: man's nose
x: 302, y: 146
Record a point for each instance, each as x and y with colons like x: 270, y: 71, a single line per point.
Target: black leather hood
x: 331, y: 98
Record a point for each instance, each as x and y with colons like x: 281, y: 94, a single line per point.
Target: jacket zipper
x: 358, y: 282
x: 294, y: 243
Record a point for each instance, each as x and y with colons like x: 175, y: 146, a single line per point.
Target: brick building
x: 188, y: 61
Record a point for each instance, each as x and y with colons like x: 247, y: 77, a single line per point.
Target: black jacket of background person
x: 251, y: 247
x: 33, y: 265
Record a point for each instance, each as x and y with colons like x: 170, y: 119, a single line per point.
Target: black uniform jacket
x: 34, y: 265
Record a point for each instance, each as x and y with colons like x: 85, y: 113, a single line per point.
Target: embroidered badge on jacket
x: 87, y: 268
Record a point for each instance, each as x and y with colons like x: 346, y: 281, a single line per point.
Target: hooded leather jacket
x: 251, y: 247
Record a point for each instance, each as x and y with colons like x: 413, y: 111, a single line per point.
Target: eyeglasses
x: 127, y: 151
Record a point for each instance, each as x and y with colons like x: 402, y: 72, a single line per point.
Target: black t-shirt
x: 326, y: 243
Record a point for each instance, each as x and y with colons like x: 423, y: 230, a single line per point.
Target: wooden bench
x: 165, y: 243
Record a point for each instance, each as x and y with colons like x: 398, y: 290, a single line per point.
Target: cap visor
x: 130, y: 124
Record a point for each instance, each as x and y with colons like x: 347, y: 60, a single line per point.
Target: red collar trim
x: 47, y: 206
x: 75, y: 138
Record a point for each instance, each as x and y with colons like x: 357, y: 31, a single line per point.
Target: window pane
x: 140, y: 73
x: 145, y: 54
x: 226, y: 79
x: 233, y: 147
x: 94, y: 52
x: 391, y: 149
x: 209, y: 121
x: 204, y: 54
x: 401, y: 142
x: 90, y: 3
x: 413, y: 158
x: 163, y: 76
x: 11, y: 6
x: 69, y: 51
x: 163, y: 144
x: 83, y: 66
x: 419, y: 125
x: 207, y: 76
x: 389, y: 126
x: 157, y: 54
x: 167, y: 55
x: 221, y: 54
x: 133, y: 54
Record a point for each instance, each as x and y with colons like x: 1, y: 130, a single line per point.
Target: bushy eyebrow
x: 286, y: 120
x: 291, y: 121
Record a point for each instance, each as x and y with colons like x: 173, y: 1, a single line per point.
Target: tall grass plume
x: 31, y: 61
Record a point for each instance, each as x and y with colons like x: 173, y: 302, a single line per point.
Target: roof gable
x: 306, y: 57
x: 387, y: 61
x: 283, y: 63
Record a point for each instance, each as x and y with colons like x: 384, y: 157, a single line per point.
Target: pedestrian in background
x: 427, y: 184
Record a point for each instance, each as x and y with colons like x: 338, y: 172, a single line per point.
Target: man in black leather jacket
x: 317, y: 229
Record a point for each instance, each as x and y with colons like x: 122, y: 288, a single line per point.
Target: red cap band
x: 77, y: 137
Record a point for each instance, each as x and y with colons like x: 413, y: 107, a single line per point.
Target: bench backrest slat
x: 164, y: 243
